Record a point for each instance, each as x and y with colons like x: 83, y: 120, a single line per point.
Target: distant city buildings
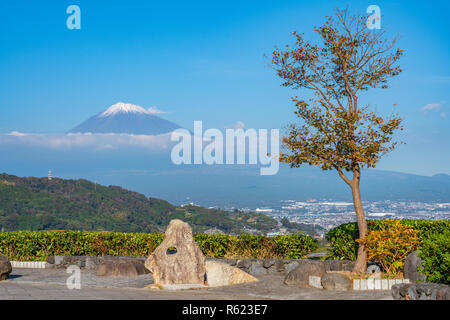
x: 329, y: 214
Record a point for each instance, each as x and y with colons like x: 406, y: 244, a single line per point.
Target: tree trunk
x: 361, y: 261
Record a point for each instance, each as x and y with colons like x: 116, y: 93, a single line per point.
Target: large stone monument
x: 178, y: 259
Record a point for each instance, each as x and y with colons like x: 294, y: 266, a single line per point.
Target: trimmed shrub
x: 38, y: 245
x: 343, y: 238
x: 391, y: 245
x: 436, y: 256
x: 343, y: 245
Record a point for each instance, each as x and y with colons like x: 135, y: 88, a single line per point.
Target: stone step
x: 376, y: 284
x: 28, y: 264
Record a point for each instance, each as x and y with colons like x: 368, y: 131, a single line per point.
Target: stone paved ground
x: 49, y: 284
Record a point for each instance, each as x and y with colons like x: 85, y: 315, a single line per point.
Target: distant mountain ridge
x: 126, y: 118
x: 242, y: 186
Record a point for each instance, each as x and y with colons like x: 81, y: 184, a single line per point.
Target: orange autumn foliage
x: 391, y: 245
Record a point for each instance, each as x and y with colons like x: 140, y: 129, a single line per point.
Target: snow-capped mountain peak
x: 121, y: 107
x: 126, y: 118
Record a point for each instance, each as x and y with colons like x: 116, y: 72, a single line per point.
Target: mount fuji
x: 126, y: 118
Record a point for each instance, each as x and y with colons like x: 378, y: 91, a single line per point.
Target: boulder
x: 299, y: 276
x: 290, y: 266
x: 279, y: 267
x: 257, y: 269
x: 121, y: 267
x: 339, y: 265
x: 243, y: 264
x: 420, y: 291
x: 395, y: 291
x: 5, y: 267
x: 410, y: 269
x: 268, y: 263
x: 221, y: 274
x: 336, y: 281
x: 178, y: 259
x: 373, y: 269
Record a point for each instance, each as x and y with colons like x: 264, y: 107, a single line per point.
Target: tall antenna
x: 49, y: 174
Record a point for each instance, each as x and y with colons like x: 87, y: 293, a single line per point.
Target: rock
x: 299, y: 276
x: 93, y: 263
x: 243, y: 264
x: 412, y: 293
x: 58, y: 260
x: 339, y: 265
x: 5, y: 267
x: 336, y: 281
x: 122, y: 267
x: 373, y: 269
x: 443, y: 293
x: 423, y: 296
x: 268, y: 263
x: 403, y: 290
x: 50, y: 259
x: 410, y: 269
x: 395, y: 291
x: 232, y: 262
x: 279, y: 267
x: 315, y: 282
x: 433, y: 295
x: 257, y: 269
x: 420, y: 291
x: 221, y: 274
x: 447, y: 294
x: 333, y: 265
x: 178, y: 259
x: 290, y: 266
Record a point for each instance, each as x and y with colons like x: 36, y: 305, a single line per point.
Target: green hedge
x: 436, y: 256
x: 37, y: 245
x: 342, y: 238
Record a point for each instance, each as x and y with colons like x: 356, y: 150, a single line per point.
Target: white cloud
x: 86, y: 140
x: 433, y: 106
x: 155, y: 110
x: 17, y: 134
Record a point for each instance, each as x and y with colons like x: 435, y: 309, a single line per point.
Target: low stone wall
x: 258, y: 267
x: 255, y: 267
x: 421, y: 291
x: 84, y: 262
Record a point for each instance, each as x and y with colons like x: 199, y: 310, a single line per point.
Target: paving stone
x: 49, y: 284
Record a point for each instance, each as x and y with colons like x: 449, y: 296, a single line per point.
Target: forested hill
x: 59, y: 204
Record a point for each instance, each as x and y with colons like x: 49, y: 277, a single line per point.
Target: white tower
x: 49, y: 174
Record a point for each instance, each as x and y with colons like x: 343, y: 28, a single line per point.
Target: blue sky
x: 204, y: 60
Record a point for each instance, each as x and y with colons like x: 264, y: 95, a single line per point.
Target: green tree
x: 337, y: 133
